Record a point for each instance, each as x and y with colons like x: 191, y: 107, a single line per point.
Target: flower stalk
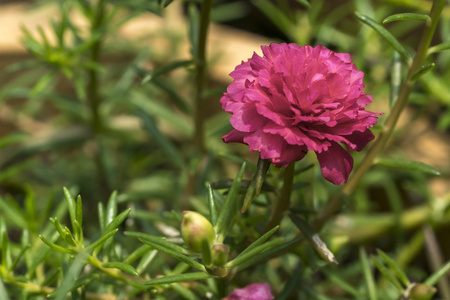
x: 200, y: 66
x: 391, y: 121
x: 93, y: 94
x: 283, y: 203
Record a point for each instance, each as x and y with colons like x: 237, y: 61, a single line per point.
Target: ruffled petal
x: 335, y: 164
x: 234, y: 136
x: 359, y: 139
x: 247, y: 119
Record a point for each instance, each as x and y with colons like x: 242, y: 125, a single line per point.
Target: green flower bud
x: 220, y: 254
x: 422, y: 291
x: 194, y: 229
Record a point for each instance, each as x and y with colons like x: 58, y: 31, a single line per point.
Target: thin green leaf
x: 3, y: 292
x: 194, y: 27
x: 99, y: 243
x: 121, y: 266
x: 184, y: 291
x: 212, y: 206
x: 397, y: 270
x: 30, y: 206
x: 111, y: 208
x: 438, y: 48
x: 168, y: 248
x: 101, y: 216
x: 56, y: 247
x: 79, y: 212
x: 260, y: 241
x: 78, y: 232
x: 166, y: 145
x: 69, y: 238
x: 12, y: 212
x: 71, y: 280
x: 387, y: 36
x: 275, y: 15
x: 59, y: 228
x: 118, y: 220
x: 387, y: 274
x: 254, y: 189
x: 178, y: 278
x: 407, y: 16
x: 181, y: 257
x: 314, y: 238
x: 71, y: 205
x: 409, y: 165
x: 173, y: 94
x: 157, y: 240
x: 146, y: 260
x: 19, y: 257
x: 12, y: 138
x: 206, y: 253
x: 290, y: 286
x: 436, y: 276
x: 368, y: 276
x: 304, y: 3
x: 38, y: 257
x: 51, y: 276
x: 268, y: 253
x: 253, y: 252
x: 137, y: 253
x: 6, y: 250
x: 15, y: 169
x: 165, y: 69
x: 238, y: 159
x: 229, y: 11
x: 422, y: 70
x: 225, y: 218
x: 310, y: 292
x: 43, y: 83
x: 338, y: 281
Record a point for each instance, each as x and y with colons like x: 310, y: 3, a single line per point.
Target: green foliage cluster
x: 142, y: 129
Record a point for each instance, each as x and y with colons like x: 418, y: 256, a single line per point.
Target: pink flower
x: 295, y: 99
x: 255, y: 291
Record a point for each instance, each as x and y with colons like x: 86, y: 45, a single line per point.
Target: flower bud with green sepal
x: 420, y: 291
x: 220, y: 254
x: 195, y: 229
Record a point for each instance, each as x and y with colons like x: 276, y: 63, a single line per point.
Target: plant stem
x: 328, y: 211
x: 283, y: 203
x: 93, y: 94
x: 200, y: 64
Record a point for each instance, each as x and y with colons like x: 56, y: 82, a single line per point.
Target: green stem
x: 328, y: 211
x: 94, y: 96
x: 200, y: 63
x: 283, y: 203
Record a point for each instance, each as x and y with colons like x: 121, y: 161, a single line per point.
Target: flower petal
x: 247, y: 119
x: 335, y: 164
x: 255, y: 291
x: 359, y: 139
x: 234, y: 136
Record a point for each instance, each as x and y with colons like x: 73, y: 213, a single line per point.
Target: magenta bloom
x: 295, y: 99
x: 255, y: 291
